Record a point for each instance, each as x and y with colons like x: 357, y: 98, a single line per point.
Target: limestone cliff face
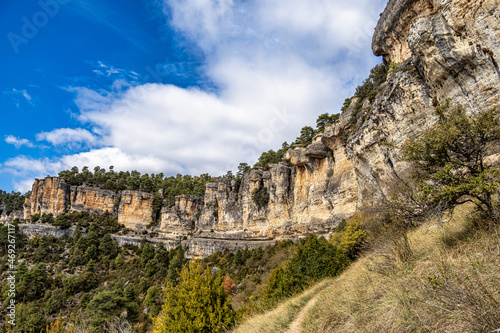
x: 444, y: 49
x: 454, y: 44
x: 179, y: 220
x: 299, y: 198
x: 84, y: 198
x: 48, y: 196
x: 53, y: 195
x: 135, y: 210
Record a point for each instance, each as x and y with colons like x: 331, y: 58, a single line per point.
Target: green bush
x: 198, y: 303
x: 260, y: 197
x: 315, y: 258
x: 62, y: 221
x: 350, y: 239
x: 450, y: 163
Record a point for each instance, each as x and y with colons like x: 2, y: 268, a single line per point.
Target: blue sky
x: 171, y: 86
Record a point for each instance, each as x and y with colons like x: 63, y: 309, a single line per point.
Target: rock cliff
x: 9, y: 217
x: 180, y: 220
x: 439, y: 50
x: 436, y: 49
x: 136, y: 209
x: 453, y: 44
x: 53, y: 195
x: 299, y: 199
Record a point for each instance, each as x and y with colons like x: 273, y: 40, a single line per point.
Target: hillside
x: 446, y: 280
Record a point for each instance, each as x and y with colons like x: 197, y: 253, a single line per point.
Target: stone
x: 136, y: 209
x: 92, y: 200
x: 180, y: 219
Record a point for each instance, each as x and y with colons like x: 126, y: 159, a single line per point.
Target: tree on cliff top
x: 450, y: 164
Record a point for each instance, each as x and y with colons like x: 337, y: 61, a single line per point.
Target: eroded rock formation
x: 53, y: 195
x: 179, y: 220
x: 135, y: 210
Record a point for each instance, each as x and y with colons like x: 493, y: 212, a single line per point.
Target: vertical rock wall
x: 179, y: 220
x: 48, y: 196
x: 135, y: 210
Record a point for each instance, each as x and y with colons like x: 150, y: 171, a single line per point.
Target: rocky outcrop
x: 33, y: 230
x: 454, y: 45
x: 135, y: 210
x: 53, y: 195
x: 199, y: 248
x: 48, y: 196
x: 90, y: 199
x: 9, y: 216
x: 298, y: 203
x: 443, y: 49
x: 180, y: 219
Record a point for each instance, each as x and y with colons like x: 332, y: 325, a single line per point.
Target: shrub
x: 62, y: 222
x: 393, y: 66
x: 350, y: 240
x: 260, y: 197
x: 378, y: 74
x: 197, y: 304
x: 347, y: 103
x: 315, y: 258
x: 449, y: 160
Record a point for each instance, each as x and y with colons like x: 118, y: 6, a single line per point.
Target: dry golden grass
x: 450, y: 282
x: 439, y: 279
x: 280, y: 318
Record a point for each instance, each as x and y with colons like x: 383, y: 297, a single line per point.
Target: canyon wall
x: 136, y: 209
x: 53, y: 195
x: 436, y: 50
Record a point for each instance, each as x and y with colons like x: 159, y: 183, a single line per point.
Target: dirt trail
x: 297, y: 323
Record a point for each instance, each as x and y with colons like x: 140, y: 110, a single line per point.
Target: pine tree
x: 129, y: 293
x: 175, y: 265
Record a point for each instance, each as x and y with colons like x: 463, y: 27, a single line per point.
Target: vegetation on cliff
x: 170, y: 187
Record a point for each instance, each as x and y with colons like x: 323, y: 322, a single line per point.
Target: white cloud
x: 265, y: 58
x: 19, y: 96
x: 24, y: 185
x: 68, y: 136
x: 277, y: 65
x: 105, y: 70
x: 17, y: 142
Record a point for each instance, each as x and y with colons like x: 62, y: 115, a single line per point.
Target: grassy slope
x: 450, y: 281
x: 280, y: 318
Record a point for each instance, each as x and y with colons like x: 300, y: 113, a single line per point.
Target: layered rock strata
x: 136, y: 209
x: 179, y: 220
